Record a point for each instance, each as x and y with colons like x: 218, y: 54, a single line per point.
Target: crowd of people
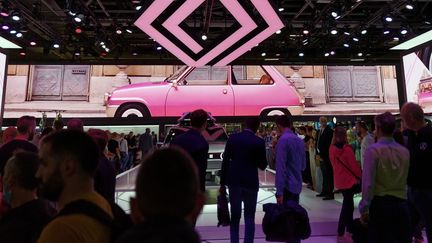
x: 61, y: 188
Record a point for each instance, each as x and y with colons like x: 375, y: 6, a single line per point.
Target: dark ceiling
x: 48, y: 21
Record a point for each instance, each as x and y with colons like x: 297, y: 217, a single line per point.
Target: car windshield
x: 175, y: 75
x: 212, y: 134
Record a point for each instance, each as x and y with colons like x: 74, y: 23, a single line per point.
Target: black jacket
x: 195, y: 144
x: 324, y: 141
x: 25, y: 223
x: 244, y: 154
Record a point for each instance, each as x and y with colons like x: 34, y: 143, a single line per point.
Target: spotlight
x: 5, y: 27
x: 78, y: 30
x: 16, y: 17
x: 364, y: 32
x: 347, y: 33
x: 204, y: 37
x: 56, y: 45
x: 119, y: 31
x: 326, y: 54
x: 19, y: 35
x: 278, y: 54
x: 103, y: 53
x: 301, y: 54
x: 138, y: 7
x: 409, y: 5
x: 388, y: 19
x: 404, y: 31
x: 263, y: 54
x: 4, y: 12
x: 79, y: 18
x: 360, y: 54
x: 71, y: 13
x: 334, y: 31
x: 13, y: 32
x: 134, y: 54
x: 281, y: 9
x: 32, y: 43
x: 129, y: 30
x: 346, y: 45
x: 107, y: 49
x: 23, y: 53
x: 102, y: 43
x: 334, y: 14
x: 356, y: 39
x: 386, y: 32
x: 278, y: 32
x: 305, y: 31
x: 159, y: 48
x: 332, y: 53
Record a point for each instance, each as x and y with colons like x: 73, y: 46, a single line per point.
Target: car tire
x: 132, y: 110
x: 274, y: 112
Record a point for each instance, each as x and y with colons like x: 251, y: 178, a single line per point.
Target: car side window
x: 251, y: 75
x: 207, y: 75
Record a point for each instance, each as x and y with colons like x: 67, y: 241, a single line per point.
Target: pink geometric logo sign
x: 162, y: 20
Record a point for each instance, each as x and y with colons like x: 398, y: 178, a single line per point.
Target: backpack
x: 118, y: 225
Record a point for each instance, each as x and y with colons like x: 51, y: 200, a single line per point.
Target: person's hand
x: 364, y: 218
x: 317, y: 157
x: 279, y: 199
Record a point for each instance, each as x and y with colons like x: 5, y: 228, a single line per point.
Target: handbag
x: 356, y: 187
x: 288, y: 222
x: 222, y: 209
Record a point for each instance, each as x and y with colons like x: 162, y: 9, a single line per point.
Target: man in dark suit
x: 195, y: 144
x: 324, y: 138
x: 244, y: 154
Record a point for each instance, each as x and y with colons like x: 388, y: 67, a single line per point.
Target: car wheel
x: 132, y: 110
x: 275, y: 112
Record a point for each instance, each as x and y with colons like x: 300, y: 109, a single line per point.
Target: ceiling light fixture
x: 360, y: 54
x: 386, y: 32
x: 204, y: 37
x: 347, y: 33
x: 334, y: 14
x: 4, y: 12
x: 32, y: 43
x: 22, y: 53
x: 278, y: 54
x: 396, y: 38
x: 364, y: 32
x: 138, y: 7
x: 278, y: 32
x: 356, y: 39
x: 388, y: 19
x: 263, y: 54
x: 301, y: 54
x: 346, y: 45
x: 5, y: 27
x: 119, y: 31
x: 159, y: 48
x: 129, y: 30
x: 326, y: 54
x: 305, y: 31
x: 16, y: 16
x: 78, y: 30
x: 13, y: 32
x: 79, y: 18
x: 19, y: 35
x: 334, y: 31
x: 332, y: 53
x: 409, y: 5
x: 404, y: 31
x: 56, y: 45
x: 281, y: 9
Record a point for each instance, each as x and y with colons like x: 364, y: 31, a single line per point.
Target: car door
x: 204, y: 88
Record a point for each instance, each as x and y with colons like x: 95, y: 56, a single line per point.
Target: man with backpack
x: 68, y: 162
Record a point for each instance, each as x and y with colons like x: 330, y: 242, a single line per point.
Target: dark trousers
x: 346, y: 214
x: 327, y: 174
x: 389, y: 220
x: 421, y: 199
x: 306, y: 174
x: 289, y: 196
x: 237, y: 195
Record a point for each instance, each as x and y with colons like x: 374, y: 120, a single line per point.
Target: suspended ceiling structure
x: 315, y: 32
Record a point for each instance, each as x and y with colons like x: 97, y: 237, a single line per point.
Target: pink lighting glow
x: 172, y: 25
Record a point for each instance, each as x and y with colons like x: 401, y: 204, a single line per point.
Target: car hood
x: 142, y: 85
x: 216, y: 147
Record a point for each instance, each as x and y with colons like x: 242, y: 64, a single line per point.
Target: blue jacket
x: 244, y: 154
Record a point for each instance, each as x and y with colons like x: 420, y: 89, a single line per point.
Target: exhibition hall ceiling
x: 315, y: 32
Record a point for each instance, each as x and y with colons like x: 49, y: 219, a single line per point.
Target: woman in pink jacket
x: 347, y: 174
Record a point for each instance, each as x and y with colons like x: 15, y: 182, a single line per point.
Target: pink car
x: 222, y: 91
x: 425, y: 94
